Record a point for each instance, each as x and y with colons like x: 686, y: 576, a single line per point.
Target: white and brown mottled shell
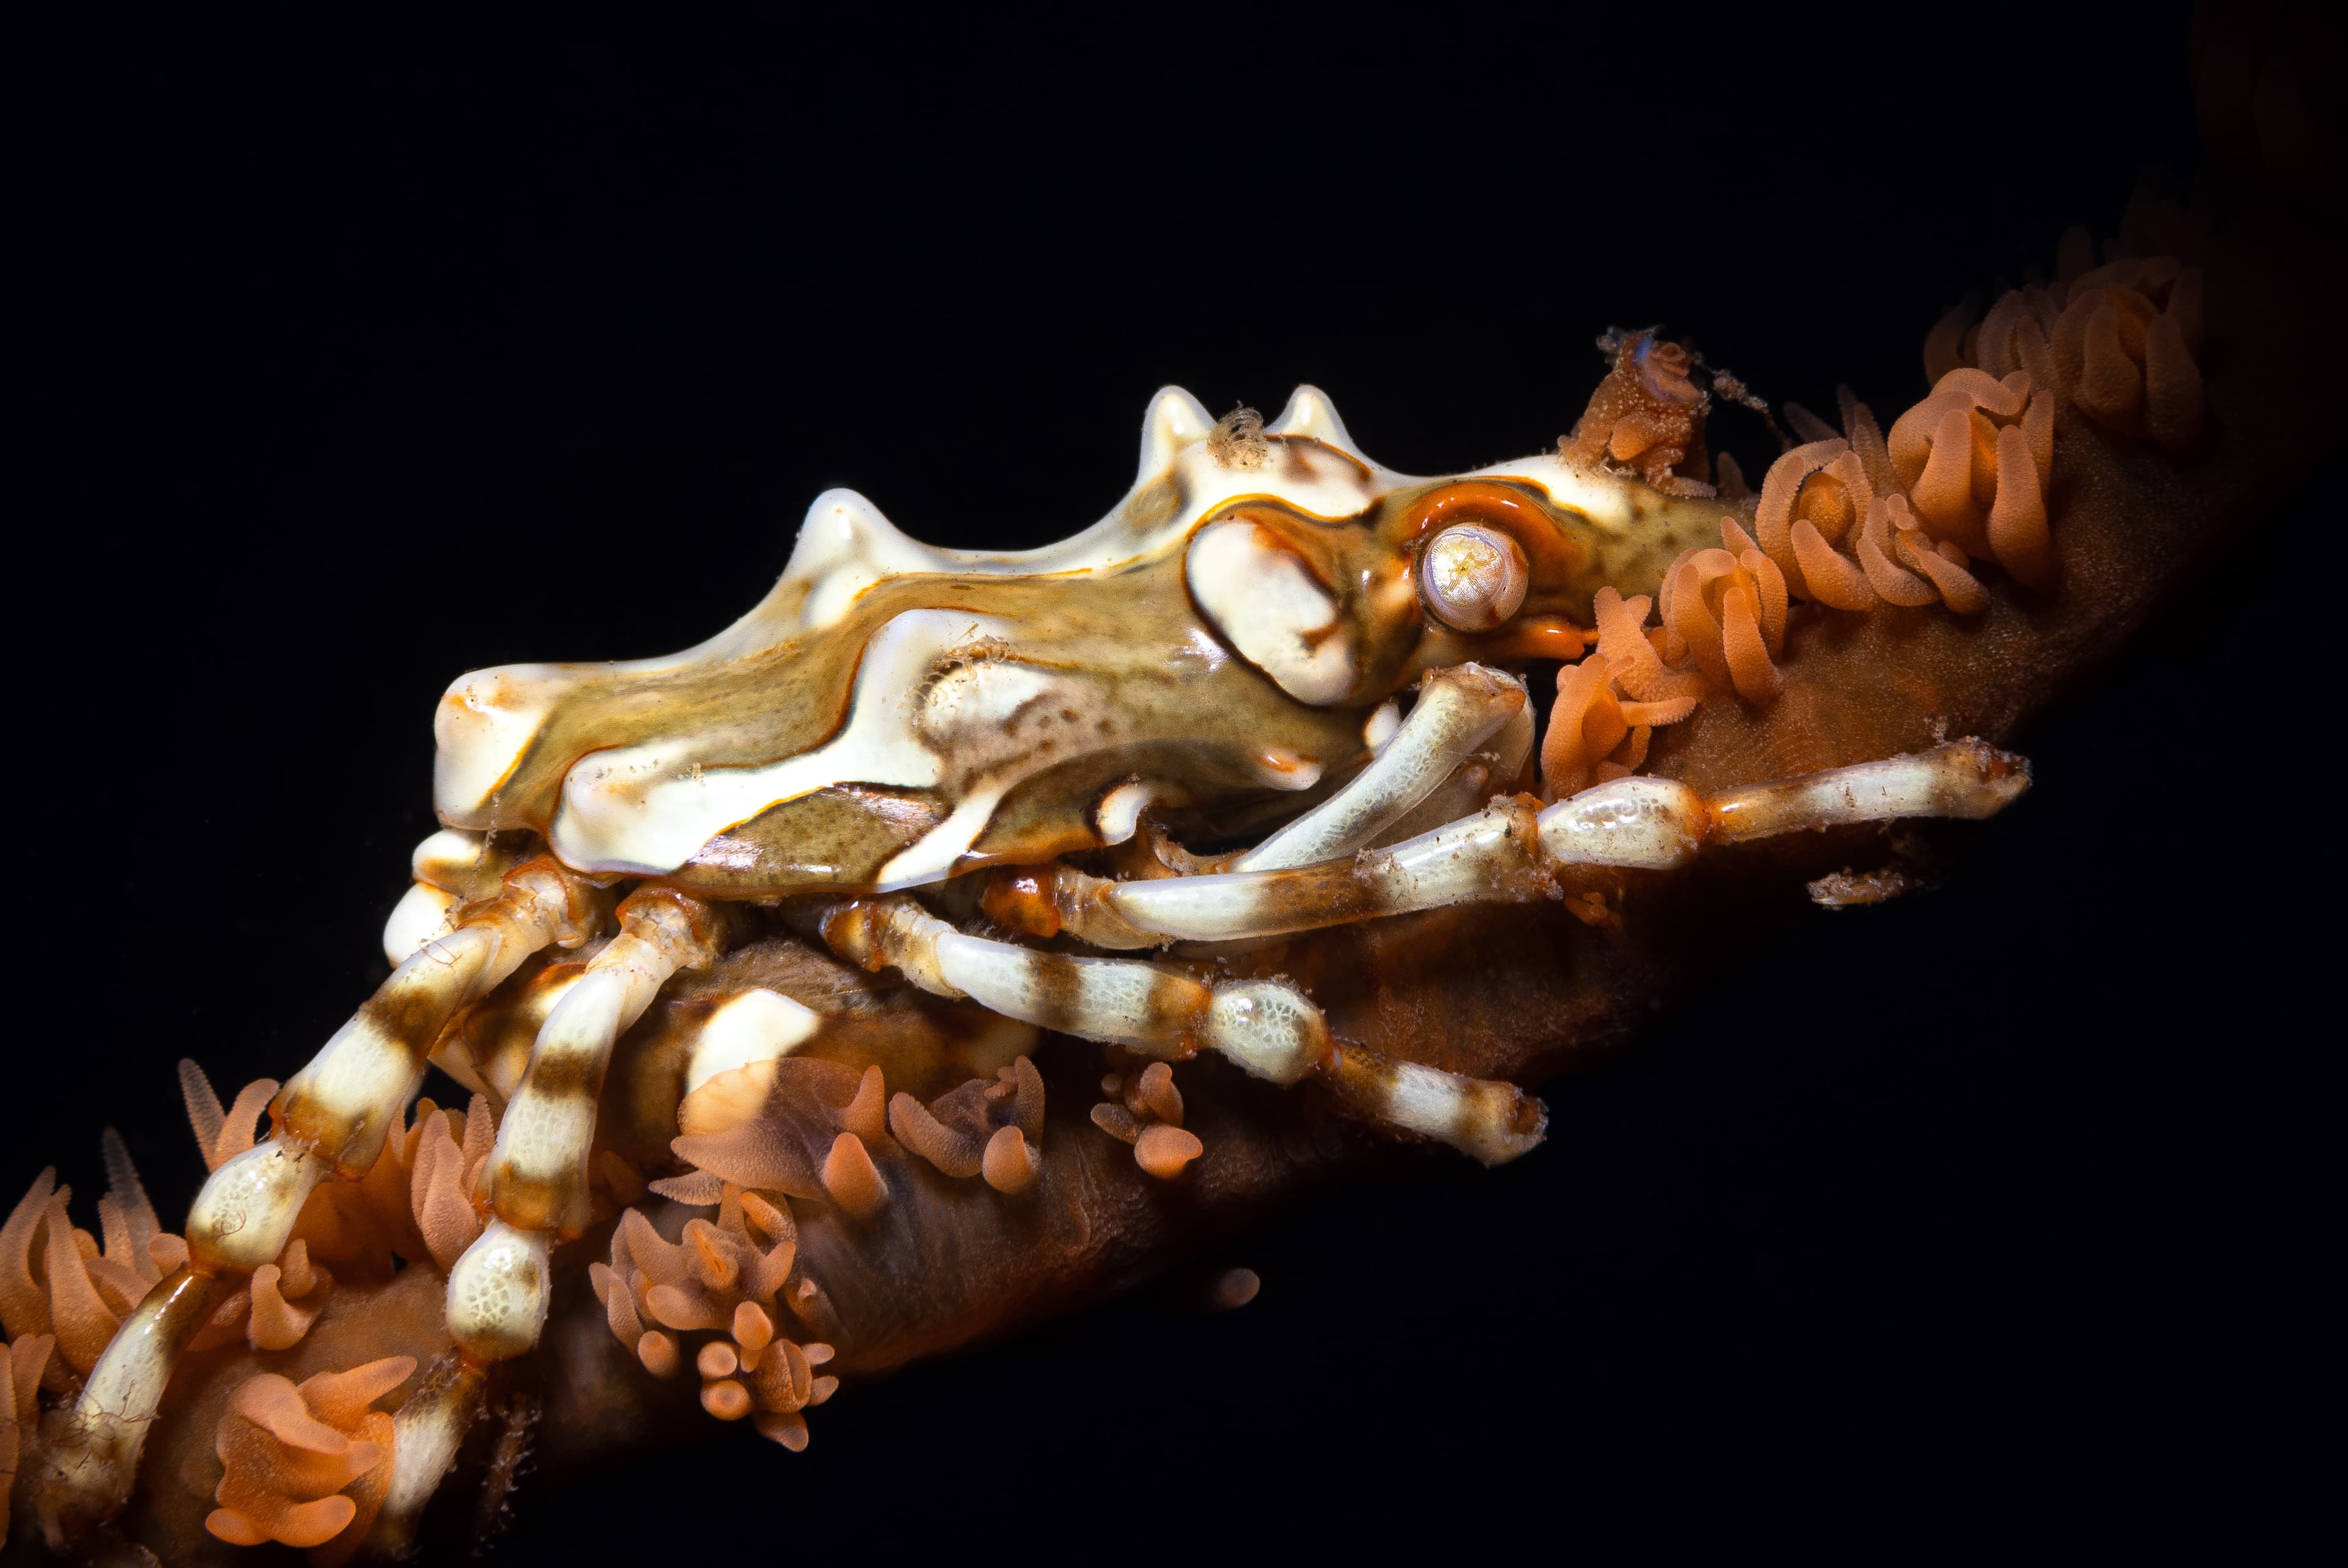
x: 892, y: 713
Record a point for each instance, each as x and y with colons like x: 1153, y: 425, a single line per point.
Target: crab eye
x: 1473, y: 577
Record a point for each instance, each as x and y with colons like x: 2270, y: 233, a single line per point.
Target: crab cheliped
x: 770, y: 968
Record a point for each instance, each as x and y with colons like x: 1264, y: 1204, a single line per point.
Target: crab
x: 1278, y: 687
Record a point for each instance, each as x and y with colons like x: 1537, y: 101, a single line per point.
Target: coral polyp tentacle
x: 307, y: 1465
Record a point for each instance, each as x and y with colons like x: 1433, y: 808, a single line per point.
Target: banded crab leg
x: 535, y: 1184
x: 536, y: 1180
x: 330, y: 1119
x: 1510, y: 852
x: 1266, y: 1026
x: 1507, y: 852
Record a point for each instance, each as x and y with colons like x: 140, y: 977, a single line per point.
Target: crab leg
x: 536, y: 1176
x: 428, y: 1431
x: 1510, y: 852
x: 535, y: 1182
x: 1457, y: 710
x: 1267, y: 1027
x: 332, y: 1117
x: 92, y: 1445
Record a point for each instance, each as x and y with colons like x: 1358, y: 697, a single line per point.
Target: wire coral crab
x: 1037, y: 743
x: 942, y: 939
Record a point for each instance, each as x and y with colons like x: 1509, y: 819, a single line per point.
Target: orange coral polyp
x: 294, y: 1458
x: 82, y: 1320
x: 852, y: 1179
x: 1632, y: 659
x: 754, y: 1330
x: 953, y: 1153
x: 1967, y: 389
x: 1691, y: 596
x: 222, y: 1136
x: 1825, y: 576
x: 60, y: 1283
x: 1165, y: 1151
x: 727, y: 1399
x: 1892, y: 582
x: 657, y: 1351
x: 2018, y: 534
x: 1585, y: 724
x: 1008, y: 1164
x: 2124, y: 348
x: 276, y: 1322
x: 1727, y: 610
x: 716, y: 1277
x: 1742, y: 645
x: 1826, y: 503
x: 1781, y: 489
x: 1946, y: 492
x: 1608, y: 705
x: 962, y: 1132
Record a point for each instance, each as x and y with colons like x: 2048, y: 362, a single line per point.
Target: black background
x: 361, y: 361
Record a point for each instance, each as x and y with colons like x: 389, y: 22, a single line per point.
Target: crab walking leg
x: 1511, y: 852
x: 536, y: 1176
x: 1968, y: 778
x: 426, y: 1435
x: 1457, y: 710
x: 1267, y: 1027
x: 332, y: 1117
x: 89, y: 1448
